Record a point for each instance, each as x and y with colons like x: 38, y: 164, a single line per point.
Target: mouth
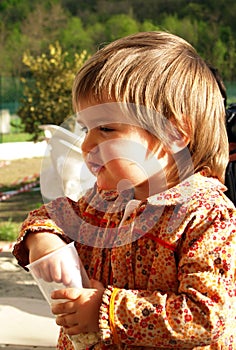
x: 94, y: 168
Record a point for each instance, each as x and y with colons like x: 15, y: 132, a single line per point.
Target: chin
x: 106, y: 185
x: 107, y: 188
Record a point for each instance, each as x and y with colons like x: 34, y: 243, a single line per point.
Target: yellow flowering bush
x: 47, y: 95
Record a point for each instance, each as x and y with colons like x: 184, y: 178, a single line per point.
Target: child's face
x: 118, y: 153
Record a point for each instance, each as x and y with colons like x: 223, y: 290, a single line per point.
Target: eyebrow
x: 97, y: 122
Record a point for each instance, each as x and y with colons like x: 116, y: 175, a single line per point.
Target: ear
x: 176, y: 145
x: 177, y: 137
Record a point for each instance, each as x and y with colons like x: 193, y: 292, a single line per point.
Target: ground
x: 15, y: 281
x: 15, y: 170
x: 16, y: 207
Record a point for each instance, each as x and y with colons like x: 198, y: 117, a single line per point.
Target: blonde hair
x: 164, y: 73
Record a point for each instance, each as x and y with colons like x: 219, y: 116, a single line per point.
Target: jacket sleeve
x: 60, y: 217
x: 201, y: 312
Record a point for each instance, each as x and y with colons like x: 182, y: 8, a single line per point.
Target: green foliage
x: 87, y: 25
x: 14, y: 46
x: 16, y: 137
x: 147, y: 26
x: 8, y: 231
x: 47, y: 96
x: 120, y: 25
x: 10, y: 87
x: 231, y: 92
x: 183, y: 27
x: 74, y: 37
x: 16, y: 132
x: 97, y: 33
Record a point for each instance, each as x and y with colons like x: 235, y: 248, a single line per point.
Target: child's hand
x: 41, y: 244
x: 81, y: 313
x: 53, y: 268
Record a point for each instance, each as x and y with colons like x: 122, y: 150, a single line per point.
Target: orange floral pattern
x: 169, y: 270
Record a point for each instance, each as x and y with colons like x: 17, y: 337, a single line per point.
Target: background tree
x: 74, y: 37
x: 30, y: 26
x: 78, y: 24
x: 47, y: 96
x: 43, y: 25
x: 120, y: 25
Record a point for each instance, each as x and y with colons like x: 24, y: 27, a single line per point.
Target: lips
x: 94, y: 167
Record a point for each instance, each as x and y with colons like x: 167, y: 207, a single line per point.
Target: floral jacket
x: 168, y: 264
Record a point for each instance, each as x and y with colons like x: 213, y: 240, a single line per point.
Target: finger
x: 65, y: 276
x: 37, y: 273
x: 63, y: 308
x: 58, y: 294
x: 96, y: 284
x: 67, y: 293
x: 61, y: 320
x: 55, y: 272
x: 67, y: 321
x: 46, y: 274
x: 73, y: 329
x: 43, y: 271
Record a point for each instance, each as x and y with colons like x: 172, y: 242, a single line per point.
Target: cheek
x: 122, y: 169
x: 124, y: 150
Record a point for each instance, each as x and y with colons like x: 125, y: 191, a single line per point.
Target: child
x: 156, y: 234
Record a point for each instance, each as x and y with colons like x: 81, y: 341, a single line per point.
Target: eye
x: 84, y: 129
x: 80, y: 126
x: 106, y: 128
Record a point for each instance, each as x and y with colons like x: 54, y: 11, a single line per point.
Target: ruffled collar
x: 175, y: 195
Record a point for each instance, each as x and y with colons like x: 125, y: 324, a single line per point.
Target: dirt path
x: 14, y: 280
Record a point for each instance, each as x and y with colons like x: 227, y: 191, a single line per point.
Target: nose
x: 89, y: 143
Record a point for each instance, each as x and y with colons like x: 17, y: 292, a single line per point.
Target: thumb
x: 96, y: 284
x: 66, y: 293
